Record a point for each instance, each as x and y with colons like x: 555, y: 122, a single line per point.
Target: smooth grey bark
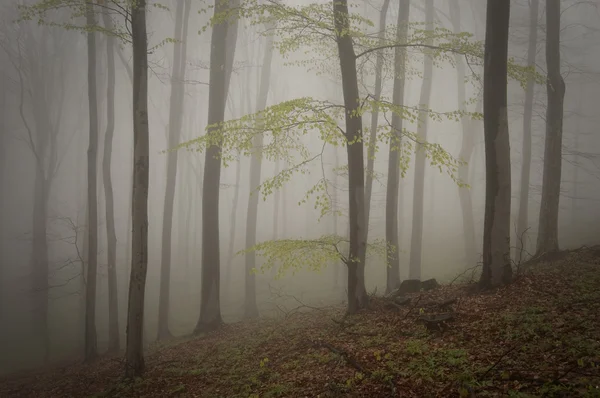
x: 223, y: 40
x: 334, y: 210
x: 375, y: 117
x: 416, y: 245
x: 523, y: 217
x: 496, y: 231
x: 547, y: 240
x: 111, y: 235
x: 393, y: 181
x: 182, y: 14
x: 467, y: 145
x: 357, y: 293
x: 250, y: 307
x: 91, y: 344
x: 277, y: 200
x: 134, y: 355
x: 233, y: 222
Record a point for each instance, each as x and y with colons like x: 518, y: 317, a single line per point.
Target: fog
x: 44, y: 137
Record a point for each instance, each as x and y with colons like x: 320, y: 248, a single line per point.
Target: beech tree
x: 523, y: 217
x: 134, y: 356
x: 496, y: 230
x: 469, y: 127
x: 393, y: 176
x: 111, y: 235
x: 547, y: 240
x: 251, y: 309
x: 91, y: 350
x: 416, y: 247
x: 221, y: 62
x: 369, y: 173
x: 182, y: 14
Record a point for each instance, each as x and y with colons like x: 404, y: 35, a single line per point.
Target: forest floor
x: 540, y: 336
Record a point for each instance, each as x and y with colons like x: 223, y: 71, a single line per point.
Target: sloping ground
x: 538, y: 337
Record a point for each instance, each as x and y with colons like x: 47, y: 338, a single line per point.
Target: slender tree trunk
x: 575, y: 185
x: 334, y: 210
x: 467, y: 145
x: 111, y: 235
x: 276, y: 199
x: 221, y: 63
x: 175, y: 122
x: 416, y: 247
x: 251, y: 309
x: 232, y: 225
x: 357, y: 293
x: 496, y: 234
x: 134, y: 356
x: 523, y: 220
x: 375, y: 117
x: 3, y: 257
x: 547, y: 241
x: 39, y: 259
x: 91, y: 348
x: 391, y: 204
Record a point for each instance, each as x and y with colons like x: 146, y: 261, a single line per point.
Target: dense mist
x: 287, y: 128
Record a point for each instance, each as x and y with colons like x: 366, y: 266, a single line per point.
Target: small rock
x: 410, y: 286
x: 429, y: 284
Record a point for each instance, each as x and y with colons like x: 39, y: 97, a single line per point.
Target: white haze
x: 443, y: 247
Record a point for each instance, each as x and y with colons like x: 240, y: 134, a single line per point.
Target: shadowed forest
x: 276, y: 198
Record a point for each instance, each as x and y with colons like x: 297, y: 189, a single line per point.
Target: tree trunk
x: 175, y: 122
x: 334, y: 210
x: 134, y: 356
x: 547, y: 240
x: 111, y: 235
x: 375, y: 117
x: 276, y: 199
x: 221, y: 62
x: 416, y: 246
x: 357, y: 293
x: 91, y: 348
x: 523, y: 220
x: 391, y: 202
x: 467, y: 145
x: 496, y: 231
x: 39, y: 259
x: 251, y: 309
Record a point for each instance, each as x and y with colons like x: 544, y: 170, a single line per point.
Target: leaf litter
x: 539, y: 336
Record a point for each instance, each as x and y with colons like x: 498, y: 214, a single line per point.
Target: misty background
x: 43, y: 129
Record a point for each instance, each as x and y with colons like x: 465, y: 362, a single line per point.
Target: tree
x: 375, y: 115
x: 41, y: 92
x: 523, y: 220
x: 91, y: 349
x: 251, y: 309
x: 547, y: 240
x: 221, y: 61
x: 182, y: 15
x: 467, y: 145
x: 496, y: 230
x: 111, y: 235
x: 357, y: 294
x: 393, y: 180
x: 134, y: 356
x: 416, y: 247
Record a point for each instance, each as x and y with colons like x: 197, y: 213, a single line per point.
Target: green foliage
x: 312, y: 254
